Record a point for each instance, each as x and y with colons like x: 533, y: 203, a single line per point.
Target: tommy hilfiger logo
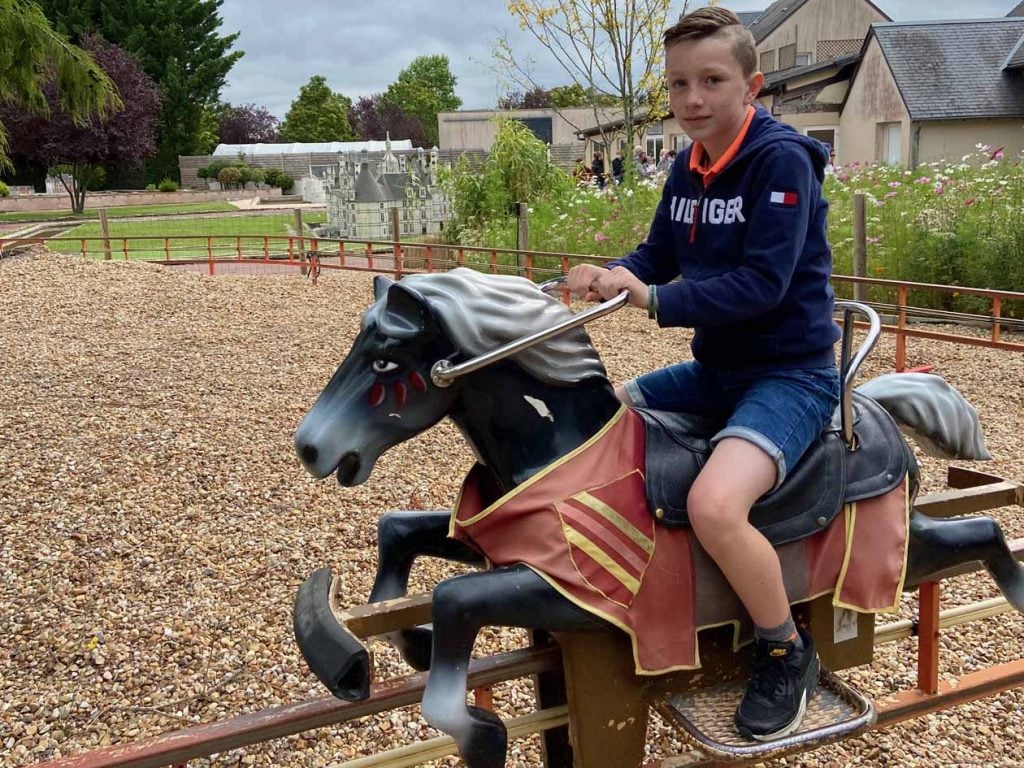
x: 713, y: 210
x: 789, y: 199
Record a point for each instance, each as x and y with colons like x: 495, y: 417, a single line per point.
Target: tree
x: 610, y: 49
x: 535, y: 98
x: 80, y: 150
x: 569, y: 96
x: 177, y: 44
x: 372, y: 118
x: 33, y: 55
x: 247, y: 124
x: 318, y: 114
x: 424, y: 88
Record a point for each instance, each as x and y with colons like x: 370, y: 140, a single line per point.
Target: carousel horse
x: 578, y: 503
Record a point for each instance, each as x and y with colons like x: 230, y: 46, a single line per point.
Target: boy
x: 743, y: 222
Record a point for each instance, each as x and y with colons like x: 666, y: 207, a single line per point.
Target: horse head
x: 382, y: 393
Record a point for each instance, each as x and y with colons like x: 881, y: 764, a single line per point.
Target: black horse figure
x: 546, y: 406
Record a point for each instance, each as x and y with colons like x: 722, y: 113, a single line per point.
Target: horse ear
x: 406, y: 314
x: 381, y: 283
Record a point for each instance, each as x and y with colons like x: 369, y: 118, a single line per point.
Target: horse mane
x: 481, y: 312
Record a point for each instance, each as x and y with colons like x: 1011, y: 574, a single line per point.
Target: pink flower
x: 894, y: 184
x: 998, y: 154
x: 968, y: 202
x: 924, y: 180
x: 873, y: 240
x: 600, y: 237
x: 890, y: 194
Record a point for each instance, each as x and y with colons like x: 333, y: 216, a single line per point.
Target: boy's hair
x: 710, y: 21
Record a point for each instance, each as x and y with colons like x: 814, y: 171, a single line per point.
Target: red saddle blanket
x: 584, y: 526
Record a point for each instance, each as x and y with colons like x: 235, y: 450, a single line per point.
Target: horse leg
x: 937, y: 543
x: 512, y: 597
x: 401, y: 538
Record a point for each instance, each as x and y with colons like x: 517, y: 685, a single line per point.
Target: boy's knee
x: 708, y: 507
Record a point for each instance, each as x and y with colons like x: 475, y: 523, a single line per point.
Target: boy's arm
x: 654, y: 260
x: 776, y: 233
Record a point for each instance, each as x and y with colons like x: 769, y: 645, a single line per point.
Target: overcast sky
x: 360, y: 47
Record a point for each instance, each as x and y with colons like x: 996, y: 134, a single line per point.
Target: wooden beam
x: 177, y: 747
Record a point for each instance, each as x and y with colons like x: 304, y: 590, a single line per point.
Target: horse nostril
x: 308, y: 454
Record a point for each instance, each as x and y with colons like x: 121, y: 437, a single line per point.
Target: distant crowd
x: 646, y: 166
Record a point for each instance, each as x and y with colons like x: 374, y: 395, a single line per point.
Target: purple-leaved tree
x: 81, y: 151
x: 373, y: 118
x: 247, y: 124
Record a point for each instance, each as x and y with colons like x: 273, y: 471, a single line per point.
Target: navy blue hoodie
x: 755, y: 264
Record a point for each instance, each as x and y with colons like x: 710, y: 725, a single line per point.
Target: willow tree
x: 611, y: 49
x: 32, y: 55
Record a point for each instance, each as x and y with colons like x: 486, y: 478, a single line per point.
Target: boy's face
x: 708, y: 91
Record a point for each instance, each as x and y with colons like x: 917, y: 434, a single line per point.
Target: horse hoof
x: 415, y: 645
x: 486, y: 745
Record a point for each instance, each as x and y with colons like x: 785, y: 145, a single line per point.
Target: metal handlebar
x: 848, y: 368
x: 443, y: 373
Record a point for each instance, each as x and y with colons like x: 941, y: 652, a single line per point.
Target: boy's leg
x: 784, y: 671
x: 775, y: 421
x: 718, y: 507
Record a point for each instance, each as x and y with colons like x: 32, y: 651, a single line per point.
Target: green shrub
x: 5, y: 191
x: 517, y: 169
x: 151, y: 187
x: 229, y: 175
x: 168, y: 185
x: 275, y: 177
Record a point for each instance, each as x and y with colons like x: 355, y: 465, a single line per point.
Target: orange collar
x: 699, y: 157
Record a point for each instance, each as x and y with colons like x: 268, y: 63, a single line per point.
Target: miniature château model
x: 362, y: 192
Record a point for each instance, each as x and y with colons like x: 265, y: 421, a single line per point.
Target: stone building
x: 361, y: 192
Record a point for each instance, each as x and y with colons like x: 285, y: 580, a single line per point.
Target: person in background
x: 617, y: 168
x: 743, y: 222
x: 597, y: 167
x: 581, y: 173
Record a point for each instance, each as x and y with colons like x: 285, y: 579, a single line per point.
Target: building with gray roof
x: 930, y: 90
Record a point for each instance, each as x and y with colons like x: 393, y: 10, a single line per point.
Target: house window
x: 654, y: 145
x: 787, y: 56
x: 803, y: 59
x: 889, y: 143
x: 768, y: 61
x: 539, y: 126
x: 319, y: 171
x: 825, y: 136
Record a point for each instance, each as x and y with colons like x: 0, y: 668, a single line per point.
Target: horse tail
x: 933, y: 413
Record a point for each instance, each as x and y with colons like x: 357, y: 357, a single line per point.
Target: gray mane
x: 481, y: 312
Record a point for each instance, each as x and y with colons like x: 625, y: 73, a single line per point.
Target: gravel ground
x: 156, y: 523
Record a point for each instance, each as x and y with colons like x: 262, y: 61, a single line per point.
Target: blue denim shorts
x: 781, y: 412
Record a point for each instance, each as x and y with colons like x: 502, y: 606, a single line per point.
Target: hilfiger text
x: 713, y: 210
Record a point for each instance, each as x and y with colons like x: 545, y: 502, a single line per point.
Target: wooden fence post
x: 522, y: 235
x: 860, y: 247
x: 396, y: 243
x: 105, y: 230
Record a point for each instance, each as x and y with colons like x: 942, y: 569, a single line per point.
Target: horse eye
x: 380, y: 365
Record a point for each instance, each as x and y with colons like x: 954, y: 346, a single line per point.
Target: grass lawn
x: 212, y: 206
x: 177, y: 230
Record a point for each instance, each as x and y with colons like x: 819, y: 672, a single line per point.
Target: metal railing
x: 312, y: 255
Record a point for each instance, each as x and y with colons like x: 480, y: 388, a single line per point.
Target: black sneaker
x: 782, y: 679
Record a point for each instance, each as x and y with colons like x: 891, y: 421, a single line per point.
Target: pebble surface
x: 156, y: 523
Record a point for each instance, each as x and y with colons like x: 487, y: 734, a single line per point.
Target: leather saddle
x: 828, y: 476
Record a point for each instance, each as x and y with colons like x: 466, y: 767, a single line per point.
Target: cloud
x: 362, y: 47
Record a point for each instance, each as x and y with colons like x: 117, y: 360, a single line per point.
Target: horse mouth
x: 348, y: 469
